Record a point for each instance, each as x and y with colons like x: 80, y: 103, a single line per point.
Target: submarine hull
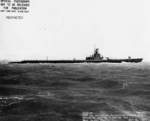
x: 134, y: 60
x: 137, y: 60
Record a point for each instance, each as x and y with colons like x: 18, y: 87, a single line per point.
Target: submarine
x: 96, y: 57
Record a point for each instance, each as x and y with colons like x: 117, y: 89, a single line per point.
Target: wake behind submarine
x: 96, y: 57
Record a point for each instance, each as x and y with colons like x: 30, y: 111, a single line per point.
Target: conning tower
x: 96, y: 56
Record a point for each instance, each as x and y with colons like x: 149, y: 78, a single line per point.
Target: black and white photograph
x: 74, y: 60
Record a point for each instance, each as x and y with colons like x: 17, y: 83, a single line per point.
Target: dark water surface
x: 62, y: 92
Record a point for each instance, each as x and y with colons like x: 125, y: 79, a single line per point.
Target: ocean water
x: 63, y: 92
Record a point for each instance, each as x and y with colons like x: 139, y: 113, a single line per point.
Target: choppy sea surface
x: 63, y: 92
